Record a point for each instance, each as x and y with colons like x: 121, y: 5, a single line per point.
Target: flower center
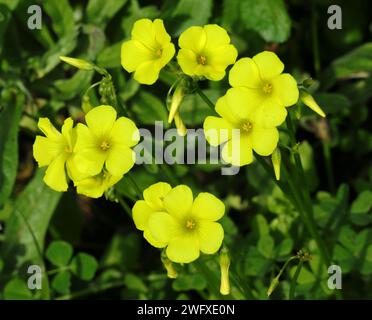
x: 202, y: 60
x: 68, y: 149
x: 267, y: 88
x: 104, y: 145
x: 159, y: 53
x: 247, y: 126
x: 190, y: 224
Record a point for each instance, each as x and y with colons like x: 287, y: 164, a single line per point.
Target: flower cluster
x: 95, y: 156
x: 171, y: 218
x: 204, y: 51
x: 255, y: 105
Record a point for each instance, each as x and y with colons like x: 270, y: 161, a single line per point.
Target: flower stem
x: 125, y: 206
x: 135, y: 186
x: 292, y: 288
x: 203, y: 96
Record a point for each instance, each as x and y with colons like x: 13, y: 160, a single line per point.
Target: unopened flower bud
x: 181, y: 128
x: 177, y: 98
x: 85, y: 104
x: 273, y: 285
x: 276, y: 158
x: 168, y: 265
x: 78, y: 63
x: 224, y: 267
x: 309, y: 101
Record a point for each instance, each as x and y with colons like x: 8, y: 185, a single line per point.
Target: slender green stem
x: 204, y: 97
x: 125, y: 206
x: 292, y: 288
x: 135, y: 186
x: 328, y: 166
x: 58, y: 270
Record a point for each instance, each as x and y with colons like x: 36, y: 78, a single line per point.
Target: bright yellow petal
x: 183, y: 249
x: 49, y: 130
x: 217, y: 130
x: 285, y: 89
x: 133, y: 54
x: 216, y: 37
x: 151, y: 240
x: 124, y: 132
x: 91, y: 187
x: 264, y: 141
x: 210, y: 236
x: 167, y: 55
x: 155, y: 194
x: 55, y: 175
x: 187, y: 60
x: 141, y: 212
x: 45, y: 150
x: 193, y: 38
x: 223, y: 56
x: 244, y: 73
x: 120, y: 160
x: 269, y: 65
x: 211, y: 73
x: 67, y: 132
x: 270, y: 113
x: 178, y: 201
x: 163, y: 227
x: 161, y: 35
x: 147, y: 73
x: 238, y: 151
x: 100, y: 120
x: 144, y: 32
x: 207, y: 207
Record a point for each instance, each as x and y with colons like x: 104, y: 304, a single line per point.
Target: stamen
x: 202, y: 60
x: 267, y: 88
x: 247, y: 126
x: 105, y: 145
x: 190, y: 224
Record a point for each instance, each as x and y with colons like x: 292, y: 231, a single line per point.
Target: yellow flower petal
x: 100, y: 120
x: 144, y: 32
x: 161, y: 35
x: 217, y: 130
x: 141, y: 212
x: 216, y: 37
x: 120, y: 160
x: 270, y: 113
x: 187, y: 60
x: 285, y: 89
x: 95, y: 187
x: 264, y: 141
x: 238, y: 151
x: 193, y: 38
x: 55, y: 175
x: 210, y: 236
x: 45, y: 150
x: 147, y: 73
x: 49, y: 130
x: 183, y: 249
x: 155, y: 194
x: 124, y: 132
x: 163, y: 227
x: 178, y: 201
x: 151, y: 240
x: 133, y: 54
x: 244, y: 73
x: 167, y: 55
x: 67, y: 132
x: 223, y: 56
x: 207, y: 207
x: 269, y: 65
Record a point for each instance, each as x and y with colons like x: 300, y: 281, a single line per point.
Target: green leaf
x: 285, y: 247
x: 10, y: 116
x: 149, y: 108
x: 76, y: 85
x: 109, y: 57
x: 134, y: 282
x: 62, y: 16
x: 62, y: 282
x: 101, y: 11
x: 59, y: 253
x: 5, y: 16
x: 266, y: 245
x: 185, y: 282
x: 84, y: 266
x: 35, y: 205
x: 268, y: 17
x: 16, y: 289
x: 360, y: 212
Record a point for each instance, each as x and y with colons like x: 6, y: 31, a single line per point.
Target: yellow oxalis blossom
x: 148, y: 51
x: 55, y: 150
x: 143, y: 209
x: 206, y: 51
x: 105, y: 143
x: 268, y: 89
x: 188, y: 226
x: 95, y: 186
x: 237, y: 112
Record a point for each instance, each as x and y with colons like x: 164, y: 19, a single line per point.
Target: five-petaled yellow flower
x: 237, y: 112
x: 187, y: 226
x: 206, y: 51
x: 143, y: 209
x: 55, y: 150
x: 268, y: 89
x: 149, y: 50
x: 105, y: 143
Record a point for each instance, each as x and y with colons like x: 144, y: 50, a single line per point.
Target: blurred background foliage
x: 90, y: 248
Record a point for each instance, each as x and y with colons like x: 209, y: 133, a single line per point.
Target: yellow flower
x: 105, y: 143
x: 237, y: 112
x: 268, y: 88
x: 188, y: 226
x: 55, y: 150
x: 95, y: 186
x: 149, y: 50
x: 143, y: 209
x: 206, y: 51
